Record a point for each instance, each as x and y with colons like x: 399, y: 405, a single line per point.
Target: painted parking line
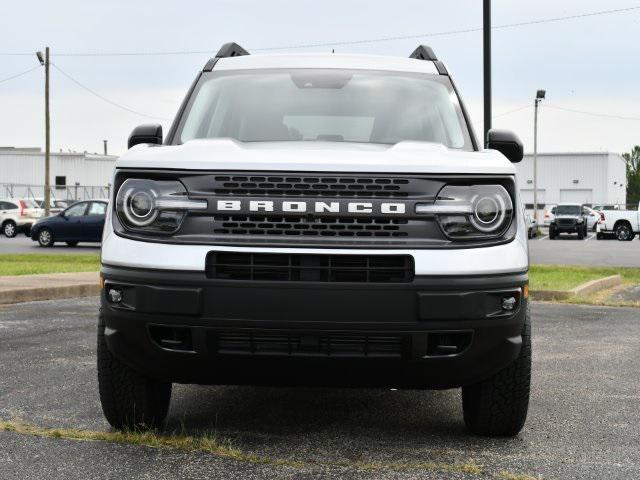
x: 546, y: 236
x: 590, y: 237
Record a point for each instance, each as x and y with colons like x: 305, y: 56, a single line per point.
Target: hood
x: 403, y: 157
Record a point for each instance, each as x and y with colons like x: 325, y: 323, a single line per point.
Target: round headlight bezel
x: 459, y: 211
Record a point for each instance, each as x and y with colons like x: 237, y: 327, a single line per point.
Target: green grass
x: 566, y: 277
x: 33, y: 263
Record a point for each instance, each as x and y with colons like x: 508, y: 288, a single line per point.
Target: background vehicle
x: 81, y: 222
x: 593, y: 217
x: 569, y: 218
x: 56, y: 205
x: 549, y: 214
x: 283, y: 235
x: 624, y: 224
x: 532, y: 226
x: 18, y: 215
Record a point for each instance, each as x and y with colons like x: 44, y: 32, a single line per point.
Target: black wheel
x: 623, y: 232
x: 498, y: 406
x: 599, y: 236
x: 72, y: 244
x: 529, y: 234
x: 552, y: 233
x: 45, y: 238
x: 580, y: 234
x: 9, y: 229
x: 130, y: 400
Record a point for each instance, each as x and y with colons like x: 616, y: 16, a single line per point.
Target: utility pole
x: 540, y: 94
x: 105, y: 147
x: 486, y: 37
x: 47, y: 144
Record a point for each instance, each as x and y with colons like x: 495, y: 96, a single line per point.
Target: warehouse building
x: 73, y: 175
x: 593, y: 178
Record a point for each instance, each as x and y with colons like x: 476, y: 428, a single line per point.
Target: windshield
x: 568, y: 210
x: 325, y: 105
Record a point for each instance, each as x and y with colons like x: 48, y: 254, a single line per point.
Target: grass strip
x: 567, y: 277
x: 35, y: 263
x: 211, y: 445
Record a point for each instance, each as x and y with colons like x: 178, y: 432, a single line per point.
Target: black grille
x: 310, y: 267
x: 312, y: 186
x: 566, y: 221
x: 322, y: 345
x: 310, y: 227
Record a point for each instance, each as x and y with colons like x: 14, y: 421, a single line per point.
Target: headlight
x: 154, y: 205
x: 471, y: 211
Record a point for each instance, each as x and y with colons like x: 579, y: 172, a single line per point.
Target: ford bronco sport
x: 323, y: 220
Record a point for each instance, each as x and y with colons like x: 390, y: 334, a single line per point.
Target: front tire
x: 45, y: 238
x: 624, y: 233
x: 10, y: 229
x: 130, y: 400
x: 498, y: 406
x: 552, y: 233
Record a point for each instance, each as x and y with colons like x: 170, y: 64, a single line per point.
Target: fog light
x: 115, y: 295
x: 508, y: 303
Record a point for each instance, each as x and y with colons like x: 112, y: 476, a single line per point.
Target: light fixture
x: 40, y: 57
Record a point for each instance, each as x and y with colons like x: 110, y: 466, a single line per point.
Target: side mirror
x: 151, y: 133
x: 507, y: 143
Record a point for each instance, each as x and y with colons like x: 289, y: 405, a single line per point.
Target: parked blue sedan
x: 81, y: 222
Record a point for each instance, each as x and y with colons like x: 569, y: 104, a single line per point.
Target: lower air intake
x: 310, y: 267
x: 321, y: 345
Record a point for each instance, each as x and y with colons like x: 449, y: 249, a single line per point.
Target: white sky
x: 590, y: 64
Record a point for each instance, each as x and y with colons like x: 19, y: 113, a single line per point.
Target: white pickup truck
x: 624, y: 224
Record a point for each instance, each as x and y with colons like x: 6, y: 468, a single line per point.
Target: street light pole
x: 47, y: 145
x: 486, y: 37
x: 540, y: 94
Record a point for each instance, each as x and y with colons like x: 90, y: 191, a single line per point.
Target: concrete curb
x: 581, y: 290
x: 29, y: 288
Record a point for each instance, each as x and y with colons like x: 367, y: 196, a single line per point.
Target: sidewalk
x: 27, y: 288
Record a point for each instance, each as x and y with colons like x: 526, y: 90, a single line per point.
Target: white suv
x: 317, y: 220
x: 17, y: 215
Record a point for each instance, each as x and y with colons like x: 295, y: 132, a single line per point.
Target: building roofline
x: 91, y: 156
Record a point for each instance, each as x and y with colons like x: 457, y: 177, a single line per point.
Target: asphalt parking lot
x: 583, y: 420
x: 24, y: 244
x: 568, y: 250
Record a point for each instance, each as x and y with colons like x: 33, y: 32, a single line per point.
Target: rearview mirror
x: 151, y: 133
x: 507, y: 143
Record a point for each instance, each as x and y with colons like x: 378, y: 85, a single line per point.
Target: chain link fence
x: 70, y: 193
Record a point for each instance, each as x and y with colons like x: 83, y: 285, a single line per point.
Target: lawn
x: 32, y: 263
x: 566, y: 277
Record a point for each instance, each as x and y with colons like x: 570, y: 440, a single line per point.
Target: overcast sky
x: 590, y: 64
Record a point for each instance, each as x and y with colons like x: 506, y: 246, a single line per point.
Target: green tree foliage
x: 633, y: 174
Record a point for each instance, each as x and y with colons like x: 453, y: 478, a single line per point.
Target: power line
x: 19, y: 74
x: 594, y: 114
x: 350, y: 42
x: 511, y: 111
x: 104, y: 99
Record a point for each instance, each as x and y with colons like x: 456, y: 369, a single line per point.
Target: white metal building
x: 72, y: 175
x: 590, y: 178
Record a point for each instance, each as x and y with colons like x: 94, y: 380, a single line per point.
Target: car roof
x: 570, y: 204
x: 327, y: 60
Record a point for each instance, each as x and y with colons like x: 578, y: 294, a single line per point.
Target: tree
x: 633, y: 175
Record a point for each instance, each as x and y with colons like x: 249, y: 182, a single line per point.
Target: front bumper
x: 433, y: 332
x: 568, y: 227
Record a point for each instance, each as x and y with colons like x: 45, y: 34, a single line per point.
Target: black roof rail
x: 423, y: 52
x: 230, y: 49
